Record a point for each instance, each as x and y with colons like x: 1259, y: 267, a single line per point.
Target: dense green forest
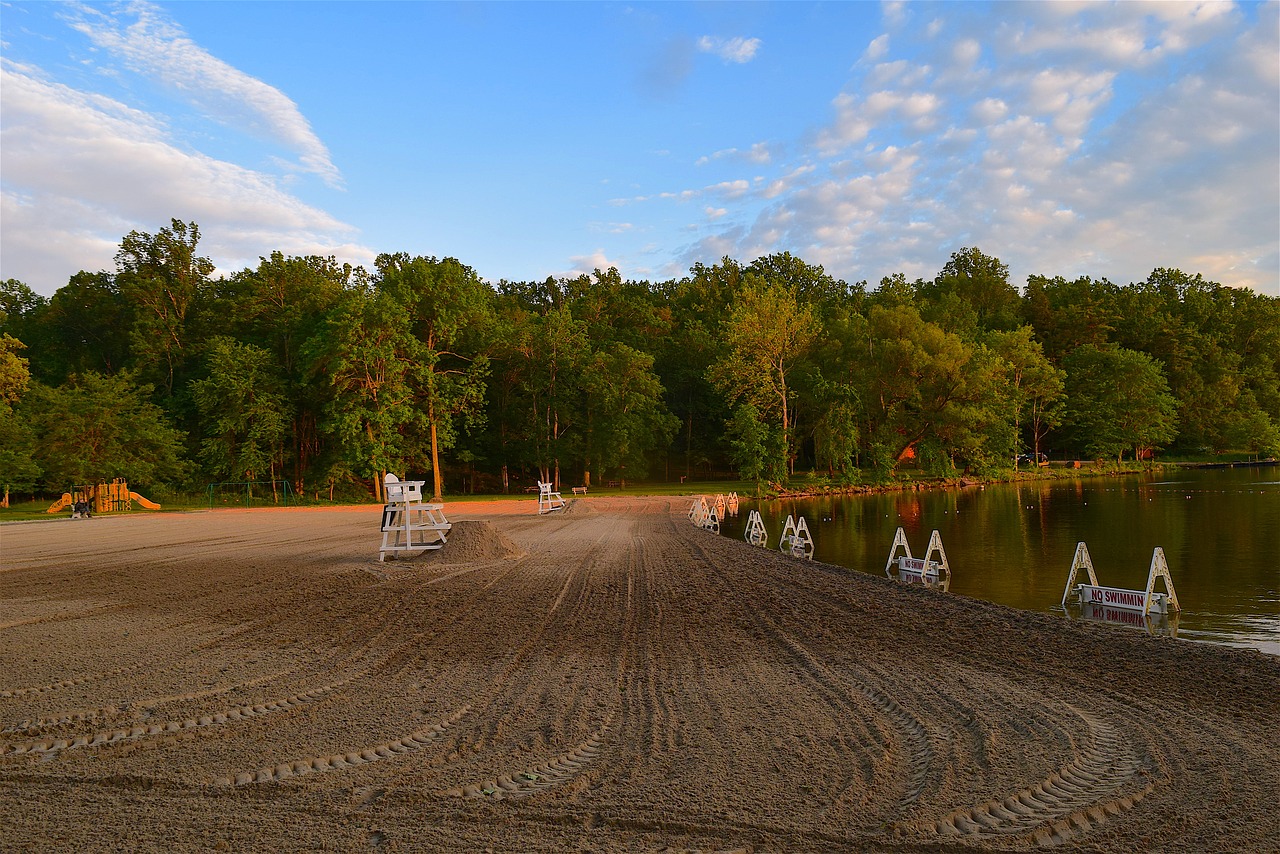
x: 327, y: 376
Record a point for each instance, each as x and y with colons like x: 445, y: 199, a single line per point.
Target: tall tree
x: 1117, y: 400
x: 18, y: 467
x: 1038, y: 387
x: 84, y: 327
x: 368, y: 354
x: 625, y: 415
x: 450, y: 310
x: 162, y: 277
x: 244, y: 411
x: 767, y: 334
x: 980, y: 283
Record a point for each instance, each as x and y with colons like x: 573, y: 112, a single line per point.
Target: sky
x: 536, y: 139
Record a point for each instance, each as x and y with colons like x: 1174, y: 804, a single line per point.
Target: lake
x: 1014, y: 543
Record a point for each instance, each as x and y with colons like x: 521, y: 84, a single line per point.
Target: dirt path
x: 609, y: 678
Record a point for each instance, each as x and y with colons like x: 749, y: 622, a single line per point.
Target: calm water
x: 1219, y: 528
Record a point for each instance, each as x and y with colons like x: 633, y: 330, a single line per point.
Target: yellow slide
x: 61, y: 504
x: 150, y: 505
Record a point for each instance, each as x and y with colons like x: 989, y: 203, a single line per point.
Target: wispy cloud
x: 81, y: 170
x: 737, y: 49
x: 148, y: 42
x: 1078, y: 139
x: 759, y: 153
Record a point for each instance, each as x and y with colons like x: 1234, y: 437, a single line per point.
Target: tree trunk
x: 437, y: 482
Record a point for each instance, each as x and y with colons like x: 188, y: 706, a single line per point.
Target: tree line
x: 328, y: 375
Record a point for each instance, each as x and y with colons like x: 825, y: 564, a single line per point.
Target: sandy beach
x: 609, y: 678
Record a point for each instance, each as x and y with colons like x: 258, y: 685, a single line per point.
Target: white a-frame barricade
x: 1146, y: 601
x: 704, y: 515
x: 796, y: 539
x: 712, y: 520
x: 755, y: 534
x: 924, y: 570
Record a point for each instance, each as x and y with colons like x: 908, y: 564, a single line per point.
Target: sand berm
x: 609, y: 678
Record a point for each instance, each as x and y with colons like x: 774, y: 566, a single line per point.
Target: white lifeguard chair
x: 919, y: 570
x: 548, y: 500
x: 407, y: 523
x: 1146, y: 601
x: 796, y: 539
x: 755, y: 534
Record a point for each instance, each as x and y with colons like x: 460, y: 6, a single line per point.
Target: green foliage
x: 626, y: 417
x: 450, y: 312
x: 243, y: 407
x: 976, y: 285
x: 754, y: 447
x: 160, y: 277
x: 767, y: 334
x: 369, y: 359
x: 98, y: 427
x: 331, y: 375
x: 15, y: 376
x: 1118, y: 400
x: 18, y: 467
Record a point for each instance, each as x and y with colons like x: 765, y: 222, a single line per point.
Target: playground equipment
x: 1146, y: 601
x: 407, y: 523
x: 796, y: 540
x: 755, y: 534
x: 100, y: 498
x: 931, y: 573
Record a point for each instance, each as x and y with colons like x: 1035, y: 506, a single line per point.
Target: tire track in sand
x: 414, y: 741
x: 1081, y: 795
x: 920, y: 756
x: 1096, y: 785
x: 551, y: 773
x: 109, y: 737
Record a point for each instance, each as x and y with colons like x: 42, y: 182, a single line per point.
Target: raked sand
x: 608, y: 678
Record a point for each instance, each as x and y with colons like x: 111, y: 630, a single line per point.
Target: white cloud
x: 1070, y: 96
x: 879, y: 47
x: 851, y: 125
x: 759, y: 153
x: 81, y: 170
x: 966, y: 51
x: 585, y: 265
x: 990, y: 110
x: 153, y: 45
x: 737, y: 49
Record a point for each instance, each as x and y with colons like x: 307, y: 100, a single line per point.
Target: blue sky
x: 537, y: 139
